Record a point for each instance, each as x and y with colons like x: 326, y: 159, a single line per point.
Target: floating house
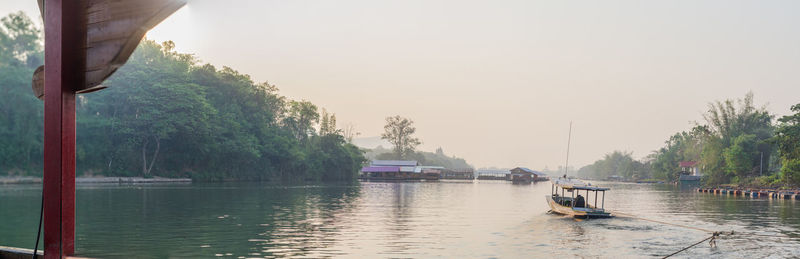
x: 490, y: 174
x: 540, y: 177
x: 430, y: 173
x: 459, y: 174
x: 525, y: 175
x: 691, y: 167
x: 391, y: 170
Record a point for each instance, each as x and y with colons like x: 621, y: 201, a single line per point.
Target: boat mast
x: 569, y: 139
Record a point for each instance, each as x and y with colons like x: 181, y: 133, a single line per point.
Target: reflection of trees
x: 399, y: 216
x: 202, y: 220
x: 19, y: 214
x: 306, y: 224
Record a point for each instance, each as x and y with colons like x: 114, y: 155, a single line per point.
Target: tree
x: 148, y: 112
x: 21, y: 113
x: 301, y: 118
x: 728, y: 121
x: 713, y: 161
x: 324, y: 128
x: 787, y: 138
x: 349, y: 132
x: 739, y: 157
x: 728, y: 146
x: 165, y: 115
x: 738, y: 133
x: 327, y: 125
x: 616, y: 163
x: 399, y: 131
x: 683, y: 146
x: 20, y: 40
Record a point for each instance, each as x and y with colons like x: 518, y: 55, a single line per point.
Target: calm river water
x: 481, y: 219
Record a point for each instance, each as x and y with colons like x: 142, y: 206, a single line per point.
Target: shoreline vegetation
x: 739, y: 145
x: 167, y: 115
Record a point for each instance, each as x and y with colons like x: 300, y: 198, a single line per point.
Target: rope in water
x: 695, y: 228
x: 662, y: 222
x: 712, y: 237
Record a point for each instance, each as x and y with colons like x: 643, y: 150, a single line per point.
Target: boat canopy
x: 576, y: 184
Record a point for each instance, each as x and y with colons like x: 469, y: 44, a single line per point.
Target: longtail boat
x: 570, y: 202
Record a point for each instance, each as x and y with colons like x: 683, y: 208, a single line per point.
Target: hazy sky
x: 497, y: 82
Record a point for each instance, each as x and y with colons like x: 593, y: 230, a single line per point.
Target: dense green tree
x: 21, y: 114
x: 683, y: 146
x: 20, y: 42
x: 399, y: 131
x: 165, y: 115
x: 327, y: 125
x: 728, y: 120
x: 617, y: 163
x: 739, y: 156
x: 301, y: 118
x: 740, y: 133
x: 787, y: 138
x: 713, y: 161
x: 729, y: 146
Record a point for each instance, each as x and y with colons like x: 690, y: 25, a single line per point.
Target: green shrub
x: 791, y: 172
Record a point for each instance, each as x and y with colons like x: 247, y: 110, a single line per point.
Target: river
x: 448, y: 219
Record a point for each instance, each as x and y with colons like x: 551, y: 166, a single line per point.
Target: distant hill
x: 371, y: 142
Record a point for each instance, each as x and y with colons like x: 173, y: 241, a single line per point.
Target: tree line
x: 165, y: 114
x: 739, y: 143
x: 619, y: 164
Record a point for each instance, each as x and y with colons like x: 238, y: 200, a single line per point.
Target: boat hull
x: 588, y: 212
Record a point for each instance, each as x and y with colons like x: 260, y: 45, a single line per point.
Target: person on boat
x: 580, y: 202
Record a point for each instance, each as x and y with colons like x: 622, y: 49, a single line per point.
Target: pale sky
x: 497, y: 82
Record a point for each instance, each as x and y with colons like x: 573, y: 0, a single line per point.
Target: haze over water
x: 483, y: 219
x: 497, y: 82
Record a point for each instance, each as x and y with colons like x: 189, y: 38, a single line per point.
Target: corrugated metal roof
x: 576, y: 184
x: 393, y: 163
x: 492, y: 171
x: 528, y: 170
x: 380, y: 169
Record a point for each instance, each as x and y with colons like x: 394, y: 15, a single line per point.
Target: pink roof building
x: 692, y: 167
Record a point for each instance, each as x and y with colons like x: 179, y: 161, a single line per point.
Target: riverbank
x: 34, y: 180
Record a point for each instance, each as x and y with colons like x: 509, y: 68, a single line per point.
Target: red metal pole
x: 65, y: 62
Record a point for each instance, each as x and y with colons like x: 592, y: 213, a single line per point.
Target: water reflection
x: 304, y: 226
x: 485, y: 219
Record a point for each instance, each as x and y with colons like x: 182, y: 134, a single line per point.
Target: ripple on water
x: 444, y: 220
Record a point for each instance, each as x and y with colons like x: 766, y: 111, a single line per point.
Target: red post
x: 65, y: 62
